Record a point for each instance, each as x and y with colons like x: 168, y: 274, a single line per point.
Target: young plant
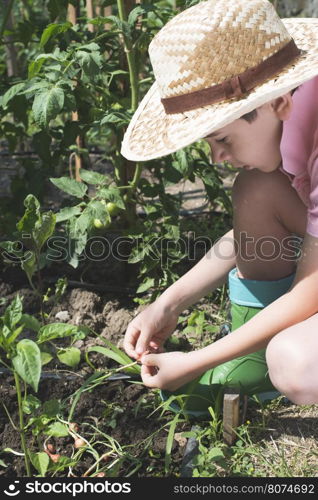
x: 33, y: 231
x: 23, y: 357
x: 94, y: 211
x: 116, y: 354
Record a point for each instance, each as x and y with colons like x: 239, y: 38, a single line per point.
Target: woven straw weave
x: 249, y: 33
x: 202, y: 46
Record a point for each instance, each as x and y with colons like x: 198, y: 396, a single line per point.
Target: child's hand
x: 169, y: 370
x: 149, y: 330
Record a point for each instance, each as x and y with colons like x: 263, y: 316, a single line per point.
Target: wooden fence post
x: 90, y: 14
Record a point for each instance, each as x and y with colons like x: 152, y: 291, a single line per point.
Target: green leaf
x: 112, y: 194
x: 29, y: 265
x: 123, y: 26
x: 181, y: 164
x: 61, y: 330
x: 92, y: 177
x: 30, y: 404
x: 13, y: 313
x: 90, y: 62
x: 169, y: 442
x: 46, y: 357
x: 116, y: 354
x: 10, y: 247
x: 82, y: 225
x: 51, y: 408
x: 33, y: 86
x: 40, y: 462
x: 11, y: 93
x: 107, y: 352
x: 2, y: 464
x: 67, y: 213
x: 27, y: 362
x: 52, y: 30
x: 57, y: 429
x: 215, y: 454
x: 34, y: 67
x: 60, y: 288
x: 148, y: 283
x: 97, y: 210
x: 134, y: 14
x: 47, y: 104
x: 118, y: 118
x: 31, y: 215
x: 70, y: 186
x: 44, y: 228
x: 189, y: 434
x: 30, y: 322
x: 70, y: 356
x: 63, y: 463
x: 13, y: 335
x: 91, y: 47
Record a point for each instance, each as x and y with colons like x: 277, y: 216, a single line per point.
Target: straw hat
x: 213, y: 63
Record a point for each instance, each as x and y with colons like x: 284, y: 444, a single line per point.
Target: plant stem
x: 21, y: 425
x: 9, y: 417
x: 134, y: 82
x: 6, y: 17
x: 137, y: 175
x: 130, y: 54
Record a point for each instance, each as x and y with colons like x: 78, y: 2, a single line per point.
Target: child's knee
x: 287, y: 368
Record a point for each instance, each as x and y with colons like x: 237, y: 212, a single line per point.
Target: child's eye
x: 224, y: 140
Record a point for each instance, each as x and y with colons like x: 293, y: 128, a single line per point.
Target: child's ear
x: 282, y: 106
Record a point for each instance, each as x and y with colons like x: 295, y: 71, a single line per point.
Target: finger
x: 157, y: 348
x: 149, y: 377
x: 130, y: 341
x: 150, y: 360
x: 143, y: 341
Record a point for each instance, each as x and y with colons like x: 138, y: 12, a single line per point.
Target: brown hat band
x: 236, y: 86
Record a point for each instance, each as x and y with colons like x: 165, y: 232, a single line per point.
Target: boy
x: 225, y: 71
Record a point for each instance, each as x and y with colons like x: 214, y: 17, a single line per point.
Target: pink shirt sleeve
x: 312, y: 214
x: 299, y: 148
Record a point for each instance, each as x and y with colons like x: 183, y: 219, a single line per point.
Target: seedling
x: 22, y: 357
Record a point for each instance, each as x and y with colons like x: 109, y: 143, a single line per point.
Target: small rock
x: 63, y: 316
x: 182, y: 441
x: 78, y: 344
x: 120, y: 344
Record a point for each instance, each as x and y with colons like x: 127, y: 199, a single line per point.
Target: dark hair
x: 252, y: 115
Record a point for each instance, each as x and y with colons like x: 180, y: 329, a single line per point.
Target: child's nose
x: 220, y: 154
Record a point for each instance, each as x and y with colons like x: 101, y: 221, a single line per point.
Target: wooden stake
x: 72, y: 17
x: 231, y: 414
x: 90, y: 14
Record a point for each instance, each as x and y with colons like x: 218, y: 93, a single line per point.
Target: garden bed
x: 118, y: 408
x: 277, y: 440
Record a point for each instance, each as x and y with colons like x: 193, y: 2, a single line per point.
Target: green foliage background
x: 101, y: 75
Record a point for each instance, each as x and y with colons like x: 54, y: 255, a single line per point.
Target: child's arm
x: 153, y: 325
x: 207, y: 275
x: 298, y: 304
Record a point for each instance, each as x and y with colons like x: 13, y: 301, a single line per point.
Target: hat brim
x: 152, y: 133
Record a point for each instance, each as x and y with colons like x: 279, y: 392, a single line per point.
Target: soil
x: 112, y: 407
x: 123, y: 410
